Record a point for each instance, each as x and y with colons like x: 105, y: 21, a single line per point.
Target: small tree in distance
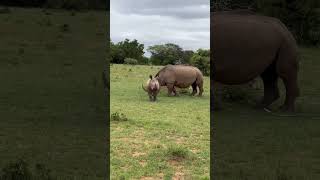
x: 201, y: 59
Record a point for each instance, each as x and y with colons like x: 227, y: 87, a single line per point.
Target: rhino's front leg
x: 175, y: 91
x: 170, y: 89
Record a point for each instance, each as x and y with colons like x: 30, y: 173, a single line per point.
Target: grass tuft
x: 177, y: 153
x: 118, y: 117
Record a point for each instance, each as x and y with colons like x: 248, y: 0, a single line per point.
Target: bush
x: 239, y: 93
x: 177, y: 153
x: 201, y: 61
x: 118, y: 117
x: 130, y: 61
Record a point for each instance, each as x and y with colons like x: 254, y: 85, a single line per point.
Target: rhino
x: 246, y: 46
x: 153, y: 88
x: 181, y: 76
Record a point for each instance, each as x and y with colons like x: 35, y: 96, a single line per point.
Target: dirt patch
x: 143, y: 163
x: 138, y: 154
x: 178, y: 176
x: 158, y: 177
x: 146, y: 178
x: 195, y: 150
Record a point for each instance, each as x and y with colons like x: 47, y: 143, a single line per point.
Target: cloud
x: 186, y: 23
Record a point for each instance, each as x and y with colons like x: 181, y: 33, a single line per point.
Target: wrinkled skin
x: 246, y: 46
x: 181, y: 76
x: 153, y: 88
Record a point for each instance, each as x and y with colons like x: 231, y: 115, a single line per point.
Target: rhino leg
x: 200, y: 85
x: 270, y: 83
x: 170, y: 89
x: 175, y: 91
x: 194, y: 89
x: 292, y: 92
x: 288, y: 72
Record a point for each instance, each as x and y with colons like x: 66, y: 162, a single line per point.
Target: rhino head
x: 152, y: 88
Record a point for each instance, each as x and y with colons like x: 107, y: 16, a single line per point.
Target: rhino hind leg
x: 292, y: 92
x: 200, y: 85
x: 270, y: 83
x: 170, y: 89
x: 174, y: 90
x: 194, y: 89
x: 288, y: 72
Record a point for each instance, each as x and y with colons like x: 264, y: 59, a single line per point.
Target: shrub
x: 234, y: 94
x: 201, y: 59
x: 201, y: 62
x: 118, y: 117
x: 177, y: 153
x: 130, y: 61
x: 238, y: 93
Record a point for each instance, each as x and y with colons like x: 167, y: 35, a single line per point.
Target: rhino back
x: 244, y: 45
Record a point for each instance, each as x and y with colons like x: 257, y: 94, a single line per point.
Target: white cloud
x: 185, y: 24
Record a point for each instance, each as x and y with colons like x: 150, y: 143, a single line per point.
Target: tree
x: 201, y: 59
x: 166, y: 54
x: 187, y: 55
x: 126, y: 49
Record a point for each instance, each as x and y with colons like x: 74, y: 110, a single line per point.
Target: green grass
x: 169, y: 138
x: 252, y: 144
x: 51, y: 95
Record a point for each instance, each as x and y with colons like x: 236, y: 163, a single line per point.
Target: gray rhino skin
x: 246, y: 46
x: 181, y: 76
x: 153, y: 88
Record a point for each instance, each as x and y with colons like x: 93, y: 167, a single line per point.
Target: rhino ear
x: 150, y: 76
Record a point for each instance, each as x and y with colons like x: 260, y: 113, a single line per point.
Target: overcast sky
x: 183, y: 22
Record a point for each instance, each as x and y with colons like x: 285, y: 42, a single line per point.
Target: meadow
x: 166, y: 139
x: 251, y: 144
x: 51, y: 95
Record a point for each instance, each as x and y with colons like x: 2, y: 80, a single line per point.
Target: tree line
x: 302, y: 17
x: 132, y: 52
x: 59, y: 4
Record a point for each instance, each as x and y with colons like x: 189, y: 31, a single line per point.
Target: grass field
x: 252, y: 144
x: 51, y: 95
x: 165, y: 139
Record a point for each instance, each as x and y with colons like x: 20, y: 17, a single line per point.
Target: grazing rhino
x: 246, y: 46
x: 153, y: 88
x: 181, y: 76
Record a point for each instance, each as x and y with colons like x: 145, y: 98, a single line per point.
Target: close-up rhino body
x: 181, y: 76
x: 153, y: 88
x: 246, y: 46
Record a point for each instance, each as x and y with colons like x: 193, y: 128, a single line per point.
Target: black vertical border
x: 212, y: 124
x: 106, y: 82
